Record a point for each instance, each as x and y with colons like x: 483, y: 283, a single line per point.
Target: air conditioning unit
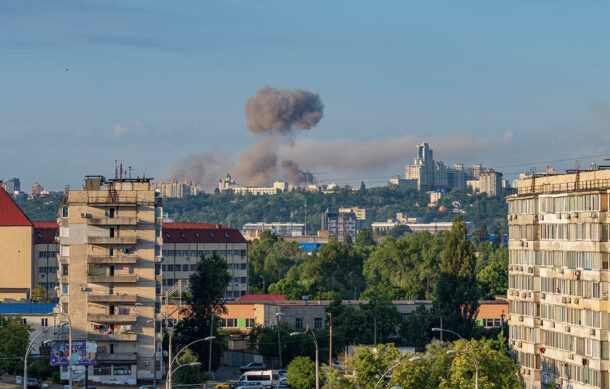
x: 530, y: 270
x: 523, y: 295
x: 566, y: 328
x: 146, y: 363
x: 543, y: 295
x: 576, y: 216
x: 536, y: 217
x: 519, y: 344
x: 520, y: 319
x: 521, y: 243
x: 574, y: 300
x: 552, y: 325
x: 565, y: 300
x: 560, y: 271
x: 593, y: 215
x: 592, y: 332
x: 538, y: 322
x: 568, y: 216
x: 524, y: 244
x: 510, y: 217
x: 85, y: 215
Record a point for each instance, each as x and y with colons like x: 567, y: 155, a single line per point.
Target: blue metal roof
x: 26, y: 308
x: 310, y: 246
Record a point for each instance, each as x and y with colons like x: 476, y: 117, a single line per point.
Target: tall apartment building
x: 558, y: 279
x: 177, y: 189
x: 110, y: 274
x: 423, y: 168
x: 185, y: 243
x: 340, y: 224
x: 489, y: 182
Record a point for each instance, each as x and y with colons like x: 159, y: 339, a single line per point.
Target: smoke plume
x: 282, y: 110
x: 276, y: 114
x: 273, y: 115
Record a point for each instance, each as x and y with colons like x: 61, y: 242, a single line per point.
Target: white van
x: 268, y: 378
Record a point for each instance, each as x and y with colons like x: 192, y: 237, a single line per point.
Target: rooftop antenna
x: 116, y: 169
x: 305, y: 216
x: 129, y: 167
x: 121, y: 171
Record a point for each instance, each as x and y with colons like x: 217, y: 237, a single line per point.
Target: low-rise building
x: 250, y: 310
x: 340, y: 224
x: 185, y: 243
x: 39, y: 316
x: 177, y: 189
x: 254, y: 230
x: 228, y: 183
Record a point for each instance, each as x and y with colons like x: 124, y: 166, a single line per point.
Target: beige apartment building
x: 558, y: 279
x: 185, y: 243
x: 109, y: 266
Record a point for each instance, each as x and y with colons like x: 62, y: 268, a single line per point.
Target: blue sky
x: 85, y: 83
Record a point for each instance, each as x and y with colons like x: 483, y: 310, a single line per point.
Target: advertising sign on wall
x: 83, y: 353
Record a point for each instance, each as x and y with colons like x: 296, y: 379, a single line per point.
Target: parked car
x: 282, y: 372
x: 33, y: 383
x: 253, y: 366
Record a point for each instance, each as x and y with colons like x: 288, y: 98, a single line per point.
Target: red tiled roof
x: 260, y: 297
x: 200, y: 233
x: 10, y: 213
x: 45, y: 232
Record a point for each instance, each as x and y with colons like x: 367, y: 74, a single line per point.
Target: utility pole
x: 330, y: 347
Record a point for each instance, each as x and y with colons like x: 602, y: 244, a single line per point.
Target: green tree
x: 39, y: 295
x: 411, y: 375
x: 417, y: 330
x: 457, y: 294
x: 411, y: 263
x: 335, y: 379
x: 188, y: 374
x: 370, y: 364
x: 493, y: 280
x: 206, y: 299
x: 14, y: 337
x: 365, y: 238
x: 301, y: 373
x: 398, y: 231
x: 480, y: 234
x: 290, y: 288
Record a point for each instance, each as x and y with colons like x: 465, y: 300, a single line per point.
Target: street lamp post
x: 69, y: 346
x: 315, y: 341
x: 472, y: 356
x: 412, y: 359
x: 175, y: 358
x: 25, y: 359
x: 279, y: 340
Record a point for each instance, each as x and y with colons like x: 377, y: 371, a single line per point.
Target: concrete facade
x: 558, y: 279
x: 110, y: 275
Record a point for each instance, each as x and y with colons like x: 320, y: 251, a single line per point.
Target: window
x: 250, y: 323
x: 244, y: 266
x: 298, y: 323
x: 211, y: 235
x: 25, y: 321
x: 121, y: 369
x: 102, y: 370
x: 64, y: 288
x: 197, y: 235
x: 193, y: 267
x: 64, y: 269
x: 170, y: 267
x: 42, y: 270
x: 167, y: 235
x: 243, y: 280
x: 65, y: 251
x: 317, y: 323
x: 226, y: 235
x: 112, y: 232
x: 64, y: 211
x: 111, y: 348
x: 182, y: 235
x: 230, y: 323
x: 44, y: 322
x: 185, y: 267
x: 163, y: 267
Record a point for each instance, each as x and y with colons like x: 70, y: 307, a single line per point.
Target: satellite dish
x: 164, y: 353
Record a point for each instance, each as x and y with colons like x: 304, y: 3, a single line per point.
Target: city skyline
x: 496, y: 84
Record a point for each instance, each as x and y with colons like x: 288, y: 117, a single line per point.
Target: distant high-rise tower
x: 423, y: 168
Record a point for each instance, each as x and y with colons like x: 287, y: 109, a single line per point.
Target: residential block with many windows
x: 110, y: 275
x: 558, y: 279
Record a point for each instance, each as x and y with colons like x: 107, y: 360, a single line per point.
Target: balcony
x: 112, y: 240
x: 112, y: 319
x: 114, y: 221
x: 112, y: 298
x: 127, y: 337
x: 124, y: 357
x: 124, y: 278
x: 121, y: 259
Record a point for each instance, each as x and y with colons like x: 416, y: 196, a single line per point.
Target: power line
x: 552, y: 161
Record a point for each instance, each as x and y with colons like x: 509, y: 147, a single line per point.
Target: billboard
x: 83, y: 353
